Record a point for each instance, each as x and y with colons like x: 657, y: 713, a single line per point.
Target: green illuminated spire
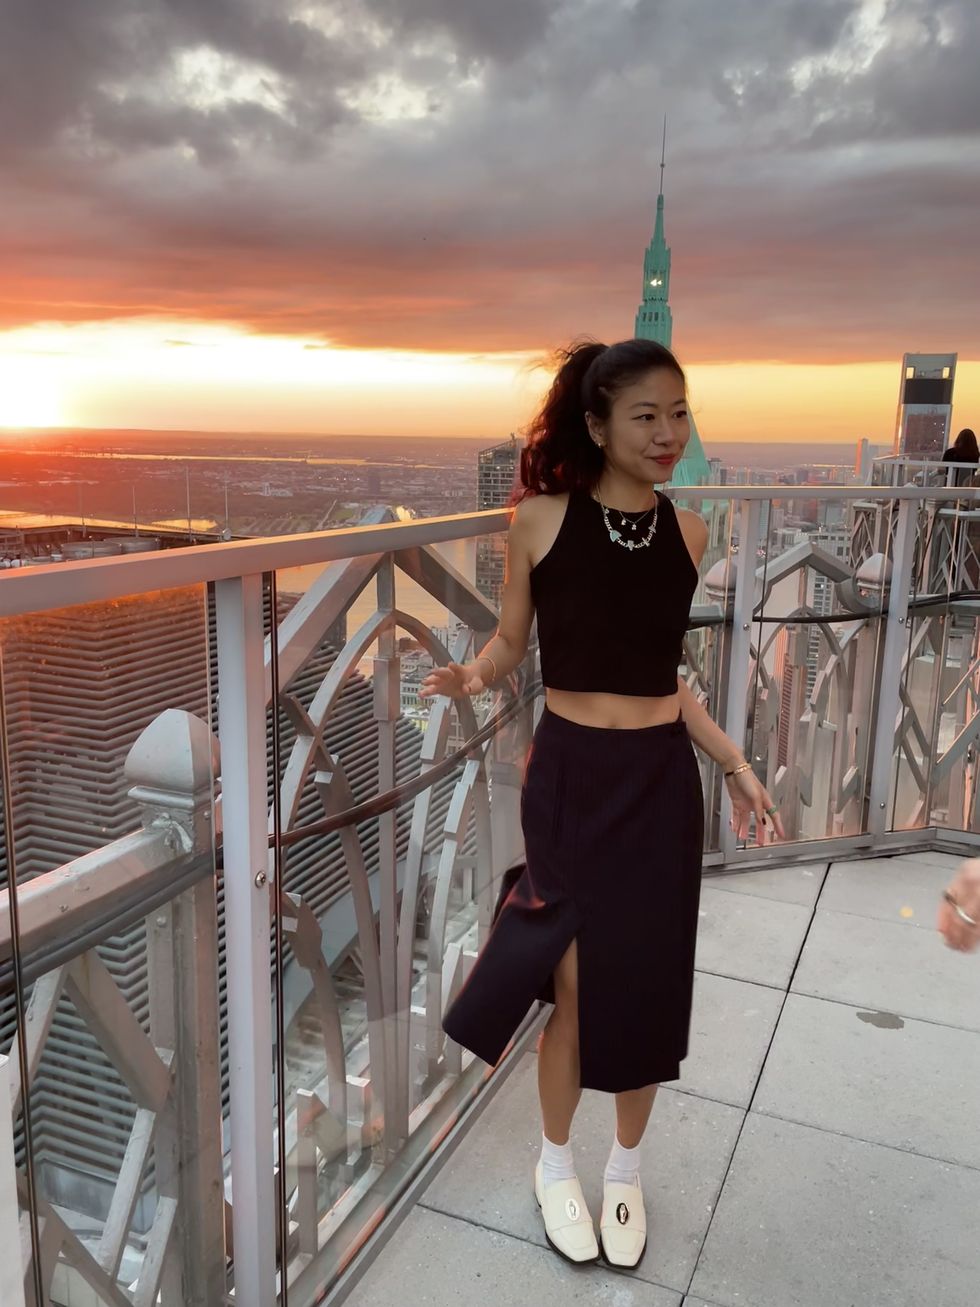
x: 654, y: 322
x: 653, y: 319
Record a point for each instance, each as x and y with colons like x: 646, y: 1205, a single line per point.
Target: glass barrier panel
x: 108, y: 949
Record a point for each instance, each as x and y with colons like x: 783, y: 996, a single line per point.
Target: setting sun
x: 28, y: 395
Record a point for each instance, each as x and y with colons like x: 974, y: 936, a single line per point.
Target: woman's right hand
x: 455, y: 680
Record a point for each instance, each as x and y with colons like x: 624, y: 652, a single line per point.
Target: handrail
x: 909, y: 461
x: 395, y: 796
x: 91, y: 580
x: 51, y: 947
x: 110, y: 911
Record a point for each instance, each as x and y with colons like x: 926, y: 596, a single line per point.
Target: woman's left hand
x: 748, y: 796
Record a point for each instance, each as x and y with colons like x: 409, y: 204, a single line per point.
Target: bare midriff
x: 616, y: 711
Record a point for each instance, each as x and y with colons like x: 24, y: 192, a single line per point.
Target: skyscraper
x: 925, y: 405
x: 496, y: 472
x: 654, y: 321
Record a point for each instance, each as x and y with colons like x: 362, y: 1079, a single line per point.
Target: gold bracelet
x: 741, y: 767
x: 491, y: 662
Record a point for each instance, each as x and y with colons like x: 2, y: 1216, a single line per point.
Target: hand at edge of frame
x: 965, y: 889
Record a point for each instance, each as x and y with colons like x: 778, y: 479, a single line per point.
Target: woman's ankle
x: 557, y: 1160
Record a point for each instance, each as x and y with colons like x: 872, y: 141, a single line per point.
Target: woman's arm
x: 747, y: 794
x: 702, y: 730
x: 507, y: 648
x: 705, y: 733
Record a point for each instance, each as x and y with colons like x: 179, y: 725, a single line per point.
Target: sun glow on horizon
x: 203, y: 376
x: 29, y: 396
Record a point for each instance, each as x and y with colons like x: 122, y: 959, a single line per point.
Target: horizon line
x: 346, y: 435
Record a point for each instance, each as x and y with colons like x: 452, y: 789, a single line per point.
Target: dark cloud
x: 925, y: 82
x: 458, y: 174
x: 501, y: 31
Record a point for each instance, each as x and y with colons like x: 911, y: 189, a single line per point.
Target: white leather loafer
x: 623, y: 1224
x: 567, y: 1224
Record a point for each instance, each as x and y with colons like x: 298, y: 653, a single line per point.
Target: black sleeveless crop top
x: 610, y: 618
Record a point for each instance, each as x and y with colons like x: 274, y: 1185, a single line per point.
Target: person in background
x: 959, y: 912
x: 963, y: 450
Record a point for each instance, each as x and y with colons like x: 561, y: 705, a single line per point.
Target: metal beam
x: 737, y: 669
x: 82, y: 890
x: 241, y: 733
x: 888, y: 703
x: 11, y: 1269
x: 62, y: 585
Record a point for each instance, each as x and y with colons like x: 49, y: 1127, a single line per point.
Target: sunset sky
x: 376, y: 215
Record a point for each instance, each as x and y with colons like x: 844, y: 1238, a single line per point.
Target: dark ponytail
x: 559, y: 453
x: 965, y: 445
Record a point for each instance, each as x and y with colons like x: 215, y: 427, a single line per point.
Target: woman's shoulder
x: 537, y: 523
x: 694, y: 529
x: 689, y: 519
x: 539, y: 508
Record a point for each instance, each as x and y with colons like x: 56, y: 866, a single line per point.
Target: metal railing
x: 901, y: 470
x: 227, y: 1051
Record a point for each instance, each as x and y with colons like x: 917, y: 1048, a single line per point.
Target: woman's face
x: 648, y: 427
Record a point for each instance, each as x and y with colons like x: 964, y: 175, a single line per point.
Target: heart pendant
x: 614, y: 535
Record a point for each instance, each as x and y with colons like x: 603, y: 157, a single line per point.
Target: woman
x: 602, y: 922
x: 963, y: 450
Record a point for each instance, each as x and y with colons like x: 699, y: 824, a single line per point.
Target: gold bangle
x: 491, y: 662
x: 741, y: 767
x: 958, y: 909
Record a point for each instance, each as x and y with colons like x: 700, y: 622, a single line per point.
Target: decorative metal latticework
x: 845, y: 661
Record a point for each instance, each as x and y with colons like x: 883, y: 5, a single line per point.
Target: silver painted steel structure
x: 339, y: 1082
x: 11, y: 1275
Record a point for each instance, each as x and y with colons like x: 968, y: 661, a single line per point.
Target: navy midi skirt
x: 613, y: 823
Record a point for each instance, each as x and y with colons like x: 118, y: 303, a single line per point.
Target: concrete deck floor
x: 821, y: 1150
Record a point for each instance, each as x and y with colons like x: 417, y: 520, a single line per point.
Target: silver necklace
x: 618, y: 537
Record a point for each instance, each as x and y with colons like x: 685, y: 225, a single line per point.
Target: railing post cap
x: 874, y: 572
x: 177, y: 753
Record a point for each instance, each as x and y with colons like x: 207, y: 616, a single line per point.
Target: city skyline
x: 305, y: 219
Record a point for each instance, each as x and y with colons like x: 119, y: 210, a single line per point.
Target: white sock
x: 623, y: 1166
x: 557, y: 1162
